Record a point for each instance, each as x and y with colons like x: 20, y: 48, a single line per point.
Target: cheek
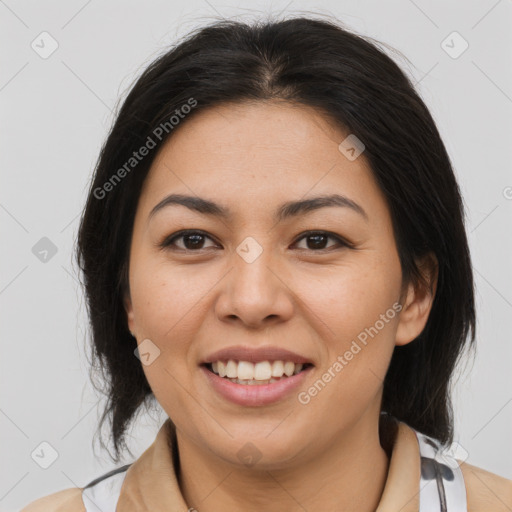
x: 353, y: 311
x: 350, y: 299
x: 168, y: 299
x: 167, y: 306
x: 168, y: 309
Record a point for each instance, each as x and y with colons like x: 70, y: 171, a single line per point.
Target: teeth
x: 231, y: 369
x: 253, y: 382
x: 277, y: 369
x: 263, y: 372
x: 245, y: 370
x: 289, y: 367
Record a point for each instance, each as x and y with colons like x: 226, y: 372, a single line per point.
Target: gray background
x: 55, y: 113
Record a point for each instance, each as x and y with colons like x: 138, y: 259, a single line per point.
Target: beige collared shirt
x: 151, y: 485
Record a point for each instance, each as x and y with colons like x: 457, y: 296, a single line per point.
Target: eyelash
x: 168, y: 242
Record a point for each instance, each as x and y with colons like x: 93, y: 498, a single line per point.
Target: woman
x: 274, y: 250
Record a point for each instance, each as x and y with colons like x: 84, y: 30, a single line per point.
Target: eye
x: 319, y: 238
x: 194, y: 240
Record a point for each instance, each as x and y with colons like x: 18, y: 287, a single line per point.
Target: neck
x: 350, y: 475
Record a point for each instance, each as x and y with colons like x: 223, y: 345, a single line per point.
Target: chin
x: 258, y: 450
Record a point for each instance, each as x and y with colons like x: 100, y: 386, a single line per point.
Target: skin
x: 312, y: 299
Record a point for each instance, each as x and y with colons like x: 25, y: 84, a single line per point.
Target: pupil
x: 194, y: 244
x: 317, y: 237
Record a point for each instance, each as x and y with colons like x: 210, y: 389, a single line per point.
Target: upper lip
x: 255, y: 355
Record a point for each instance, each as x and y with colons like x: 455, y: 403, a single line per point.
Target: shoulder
x: 68, y: 500
x: 485, y: 490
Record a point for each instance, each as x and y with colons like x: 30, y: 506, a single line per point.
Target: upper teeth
x: 264, y: 370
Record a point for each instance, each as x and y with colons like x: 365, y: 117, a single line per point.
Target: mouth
x: 257, y: 384
x: 255, y: 374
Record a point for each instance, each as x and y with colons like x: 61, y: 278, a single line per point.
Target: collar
x: 151, y: 483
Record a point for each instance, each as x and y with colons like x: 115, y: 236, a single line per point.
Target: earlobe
x: 418, y: 302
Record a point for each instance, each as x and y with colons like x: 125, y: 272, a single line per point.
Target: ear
x: 418, y: 301
x: 127, y: 302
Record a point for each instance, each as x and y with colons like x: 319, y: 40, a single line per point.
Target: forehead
x: 254, y: 154
x: 271, y: 131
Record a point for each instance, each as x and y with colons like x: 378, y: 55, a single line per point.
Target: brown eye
x: 192, y: 240
x: 316, y: 241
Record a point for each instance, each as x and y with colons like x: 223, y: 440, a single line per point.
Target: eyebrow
x: 285, y: 211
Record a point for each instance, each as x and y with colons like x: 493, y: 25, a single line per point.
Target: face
x: 323, y: 283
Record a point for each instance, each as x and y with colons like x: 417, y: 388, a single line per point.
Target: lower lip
x: 258, y: 394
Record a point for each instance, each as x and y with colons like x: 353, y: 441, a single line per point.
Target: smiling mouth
x: 250, y: 374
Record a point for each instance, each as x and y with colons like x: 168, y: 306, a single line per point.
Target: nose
x: 255, y: 292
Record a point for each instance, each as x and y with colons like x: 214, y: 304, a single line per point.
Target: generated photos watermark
x: 304, y: 397
x: 158, y: 133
